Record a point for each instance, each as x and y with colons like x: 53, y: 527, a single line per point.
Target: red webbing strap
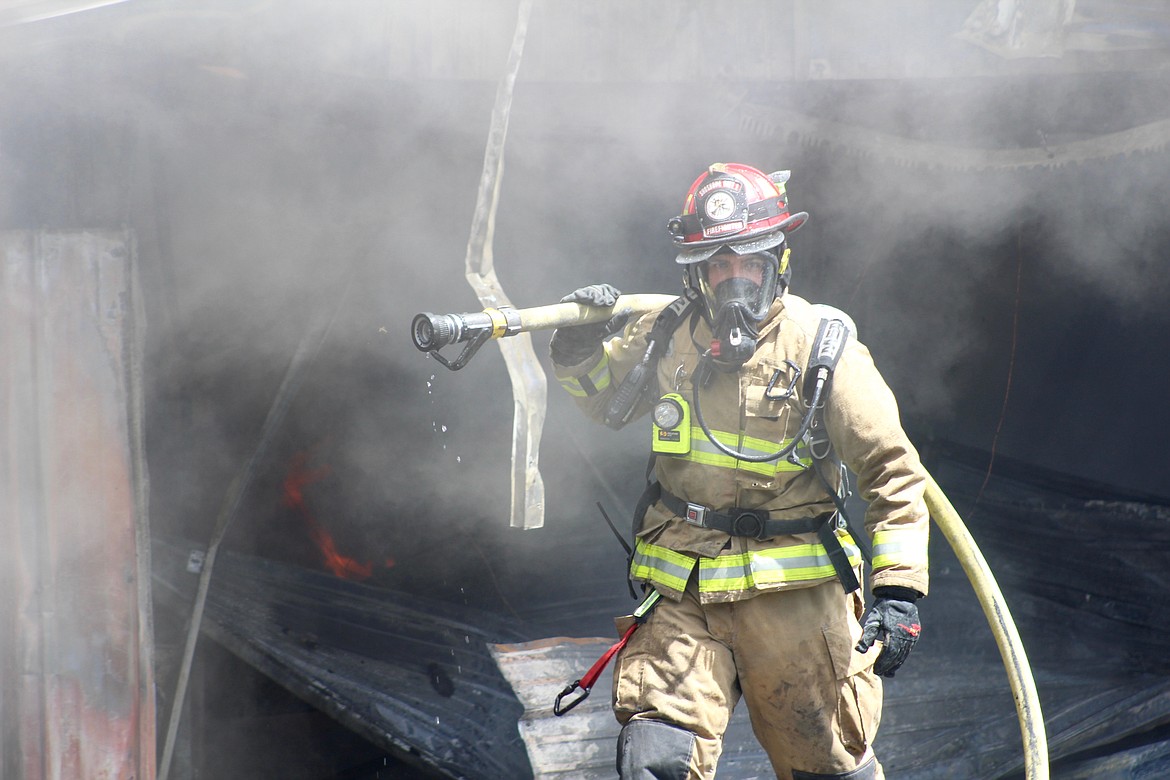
x: 595, y: 671
x: 586, y: 683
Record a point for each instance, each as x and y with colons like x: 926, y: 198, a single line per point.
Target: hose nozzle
x: 432, y: 332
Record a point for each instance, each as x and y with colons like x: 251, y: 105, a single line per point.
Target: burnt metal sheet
x: 75, y: 643
x: 469, y: 692
x: 411, y: 675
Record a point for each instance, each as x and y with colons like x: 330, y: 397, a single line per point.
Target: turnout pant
x: 814, y: 701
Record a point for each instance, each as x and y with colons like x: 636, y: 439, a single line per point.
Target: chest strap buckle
x: 696, y: 514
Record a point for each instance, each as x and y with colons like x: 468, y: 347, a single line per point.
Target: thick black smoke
x: 986, y: 220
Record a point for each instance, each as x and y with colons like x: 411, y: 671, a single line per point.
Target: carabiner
x: 558, y: 709
x: 773, y: 394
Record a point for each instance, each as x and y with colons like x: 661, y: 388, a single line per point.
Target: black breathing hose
x: 700, y: 378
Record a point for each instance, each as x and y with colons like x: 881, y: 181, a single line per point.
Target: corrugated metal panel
x: 411, y: 675
x: 581, y: 744
x: 76, y: 645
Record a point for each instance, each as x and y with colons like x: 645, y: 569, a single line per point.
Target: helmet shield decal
x: 721, y: 207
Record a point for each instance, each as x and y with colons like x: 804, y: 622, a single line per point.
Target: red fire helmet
x: 736, y: 206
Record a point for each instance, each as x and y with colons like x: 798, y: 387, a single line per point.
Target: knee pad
x: 653, y: 750
x: 867, y: 771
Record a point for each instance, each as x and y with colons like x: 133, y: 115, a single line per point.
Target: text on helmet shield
x: 725, y: 183
x: 724, y: 228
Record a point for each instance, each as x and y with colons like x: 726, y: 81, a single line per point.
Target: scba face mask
x: 730, y: 210
x: 737, y: 291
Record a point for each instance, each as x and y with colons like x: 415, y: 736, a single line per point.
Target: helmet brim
x: 699, y: 253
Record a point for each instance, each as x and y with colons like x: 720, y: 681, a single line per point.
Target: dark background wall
x: 993, y: 223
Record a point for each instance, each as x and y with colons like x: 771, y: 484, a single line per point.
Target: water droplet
x: 458, y: 458
x: 444, y: 429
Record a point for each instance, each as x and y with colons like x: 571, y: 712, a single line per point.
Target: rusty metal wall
x: 77, y: 697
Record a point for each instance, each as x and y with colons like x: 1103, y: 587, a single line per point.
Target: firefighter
x: 741, y: 531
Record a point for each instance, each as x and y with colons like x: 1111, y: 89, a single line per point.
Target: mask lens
x: 749, y: 280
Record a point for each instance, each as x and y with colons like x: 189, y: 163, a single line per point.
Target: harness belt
x: 757, y: 524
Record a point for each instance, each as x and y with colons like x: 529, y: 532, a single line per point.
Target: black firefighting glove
x: 893, y: 618
x: 570, y: 346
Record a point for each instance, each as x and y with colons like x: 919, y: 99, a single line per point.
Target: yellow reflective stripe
x: 598, y: 379
x: 706, y: 453
x: 752, y: 569
x: 899, y: 548
x: 647, y: 604
x: 739, y: 571
x: 573, y: 387
x: 599, y: 374
x: 661, y: 565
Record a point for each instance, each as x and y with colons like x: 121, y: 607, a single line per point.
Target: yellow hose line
x: 1015, y: 661
x: 561, y: 315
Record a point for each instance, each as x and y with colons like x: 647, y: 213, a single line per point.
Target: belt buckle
x: 751, y: 524
x: 696, y: 515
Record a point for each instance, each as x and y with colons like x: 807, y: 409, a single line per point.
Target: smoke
x: 282, y: 160
x: 993, y: 221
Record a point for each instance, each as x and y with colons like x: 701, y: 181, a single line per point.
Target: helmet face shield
x: 752, y: 246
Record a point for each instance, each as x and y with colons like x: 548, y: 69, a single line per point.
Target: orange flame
x: 341, y: 565
x: 298, y: 478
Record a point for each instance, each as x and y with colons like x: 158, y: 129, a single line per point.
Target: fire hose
x: 432, y: 332
x: 995, y: 609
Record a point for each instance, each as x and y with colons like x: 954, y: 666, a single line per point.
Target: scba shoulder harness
x: 634, y: 385
x: 834, y: 330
